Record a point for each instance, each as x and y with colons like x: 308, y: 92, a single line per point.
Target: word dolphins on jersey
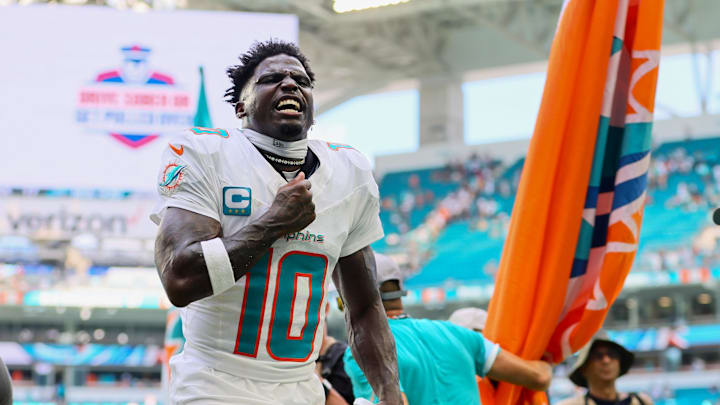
x: 305, y: 236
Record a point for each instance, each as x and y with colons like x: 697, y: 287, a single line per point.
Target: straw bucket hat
x: 626, y: 358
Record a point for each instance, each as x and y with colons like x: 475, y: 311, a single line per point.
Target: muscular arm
x: 179, y: 257
x: 533, y: 374
x: 369, y: 337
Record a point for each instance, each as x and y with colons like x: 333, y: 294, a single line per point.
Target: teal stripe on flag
x: 637, y: 138
x: 617, y: 45
x: 599, y: 156
x: 582, y: 250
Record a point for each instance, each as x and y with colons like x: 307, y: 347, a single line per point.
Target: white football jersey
x: 267, y: 327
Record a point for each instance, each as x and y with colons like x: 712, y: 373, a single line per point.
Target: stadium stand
x: 475, y: 200
x: 432, y: 216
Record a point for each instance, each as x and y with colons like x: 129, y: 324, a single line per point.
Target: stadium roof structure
x: 413, y: 41
x: 360, y: 52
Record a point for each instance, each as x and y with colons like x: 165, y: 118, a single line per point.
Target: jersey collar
x: 273, y: 179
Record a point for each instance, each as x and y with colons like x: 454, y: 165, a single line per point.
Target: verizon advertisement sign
x: 67, y: 217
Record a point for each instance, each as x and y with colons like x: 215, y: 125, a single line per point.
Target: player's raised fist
x: 293, y: 209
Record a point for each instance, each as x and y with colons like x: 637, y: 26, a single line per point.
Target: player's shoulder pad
x: 199, y: 140
x: 346, y: 153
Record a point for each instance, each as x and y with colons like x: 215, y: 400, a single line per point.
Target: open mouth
x: 289, y: 106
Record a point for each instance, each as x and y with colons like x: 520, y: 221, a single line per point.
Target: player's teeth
x: 292, y: 103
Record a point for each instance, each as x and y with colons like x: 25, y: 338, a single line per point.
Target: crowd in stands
x: 474, y: 188
x: 680, y: 257
x: 698, y: 187
x: 92, y: 379
x: 68, y: 284
x: 18, y: 279
x: 479, y: 190
x: 684, y: 177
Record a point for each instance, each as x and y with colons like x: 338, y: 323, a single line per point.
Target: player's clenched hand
x: 293, y: 209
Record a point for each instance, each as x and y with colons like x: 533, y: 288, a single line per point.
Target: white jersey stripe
x: 300, y: 302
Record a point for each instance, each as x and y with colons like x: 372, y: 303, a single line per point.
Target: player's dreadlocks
x: 240, y: 74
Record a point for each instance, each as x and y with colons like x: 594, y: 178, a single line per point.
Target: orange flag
x: 174, y: 343
x: 577, y: 216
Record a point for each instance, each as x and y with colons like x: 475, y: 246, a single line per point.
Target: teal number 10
x: 295, y: 306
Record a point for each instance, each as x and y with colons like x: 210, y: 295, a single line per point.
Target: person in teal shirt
x: 437, y: 360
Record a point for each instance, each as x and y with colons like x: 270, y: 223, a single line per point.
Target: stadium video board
x: 89, y: 92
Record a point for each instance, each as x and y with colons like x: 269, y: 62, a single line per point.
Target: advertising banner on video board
x: 89, y: 92
x: 69, y: 217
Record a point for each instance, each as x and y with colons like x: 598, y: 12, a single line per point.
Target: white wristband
x: 218, y: 265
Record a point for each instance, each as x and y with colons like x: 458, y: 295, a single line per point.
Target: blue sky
x: 388, y: 123
x: 376, y: 124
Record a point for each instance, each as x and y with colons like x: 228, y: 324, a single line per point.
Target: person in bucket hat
x: 599, y: 364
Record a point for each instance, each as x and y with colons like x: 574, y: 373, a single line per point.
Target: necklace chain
x: 284, y: 161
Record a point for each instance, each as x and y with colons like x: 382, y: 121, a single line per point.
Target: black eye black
x: 271, y: 78
x: 278, y: 77
x: 303, y: 81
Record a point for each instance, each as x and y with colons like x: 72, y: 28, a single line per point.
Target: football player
x: 254, y: 223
